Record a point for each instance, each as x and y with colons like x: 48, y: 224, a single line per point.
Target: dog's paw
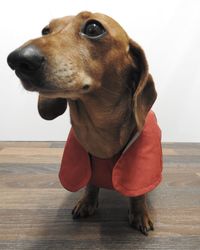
x: 141, y: 222
x: 84, y: 208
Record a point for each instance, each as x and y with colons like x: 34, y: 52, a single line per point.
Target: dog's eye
x: 46, y: 31
x: 93, y: 29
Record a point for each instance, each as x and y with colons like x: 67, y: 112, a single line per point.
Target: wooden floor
x: 35, y: 211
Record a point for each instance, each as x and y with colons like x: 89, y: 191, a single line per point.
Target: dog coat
x: 136, y: 171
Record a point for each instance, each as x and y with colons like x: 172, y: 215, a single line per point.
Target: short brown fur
x: 120, y: 93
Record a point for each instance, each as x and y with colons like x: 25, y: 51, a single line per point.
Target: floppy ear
x: 145, y: 93
x: 51, y: 108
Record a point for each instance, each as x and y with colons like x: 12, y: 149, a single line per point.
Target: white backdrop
x: 168, y: 31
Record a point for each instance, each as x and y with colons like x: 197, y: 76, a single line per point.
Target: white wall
x: 168, y: 31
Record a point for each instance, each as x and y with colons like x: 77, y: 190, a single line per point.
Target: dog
x: 89, y: 63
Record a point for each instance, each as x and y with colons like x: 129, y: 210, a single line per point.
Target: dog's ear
x: 49, y: 108
x: 144, y: 90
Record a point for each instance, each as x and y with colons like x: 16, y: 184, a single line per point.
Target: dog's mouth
x: 49, y: 89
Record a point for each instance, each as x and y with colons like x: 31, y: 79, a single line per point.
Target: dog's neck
x: 103, y: 121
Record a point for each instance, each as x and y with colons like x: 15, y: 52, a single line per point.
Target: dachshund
x: 89, y: 63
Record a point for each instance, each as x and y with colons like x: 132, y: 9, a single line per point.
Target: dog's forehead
x: 60, y: 22
x: 109, y: 22
x: 112, y: 26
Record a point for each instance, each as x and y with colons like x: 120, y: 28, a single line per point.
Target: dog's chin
x: 54, y: 92
x: 59, y: 94
x: 65, y: 93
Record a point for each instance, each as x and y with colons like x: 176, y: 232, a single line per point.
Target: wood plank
x: 37, y: 180
x: 114, y: 242
x: 33, y: 155
x: 183, y: 159
x: 175, y: 145
x: 58, y: 223
x: 27, y: 198
x: 58, y: 144
x: 185, y: 180
x: 28, y: 168
x: 47, y: 177
x: 25, y: 144
x: 169, y: 151
x: 31, y: 151
x: 162, y: 197
x: 50, y: 156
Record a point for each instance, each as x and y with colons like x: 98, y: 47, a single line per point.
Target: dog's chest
x: 102, y: 134
x: 99, y: 143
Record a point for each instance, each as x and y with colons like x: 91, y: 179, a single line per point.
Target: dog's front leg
x: 87, y: 205
x: 138, y: 214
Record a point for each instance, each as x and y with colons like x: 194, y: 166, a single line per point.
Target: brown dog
x: 89, y: 62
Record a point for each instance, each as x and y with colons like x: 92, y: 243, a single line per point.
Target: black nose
x: 26, y: 60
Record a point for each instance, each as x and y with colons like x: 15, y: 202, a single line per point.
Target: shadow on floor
x: 107, y: 229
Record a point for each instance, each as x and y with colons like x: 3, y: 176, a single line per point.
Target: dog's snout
x: 26, y: 60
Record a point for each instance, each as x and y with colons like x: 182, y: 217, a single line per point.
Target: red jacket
x: 136, y: 171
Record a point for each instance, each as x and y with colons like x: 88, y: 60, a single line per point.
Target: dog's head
x: 78, y: 55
